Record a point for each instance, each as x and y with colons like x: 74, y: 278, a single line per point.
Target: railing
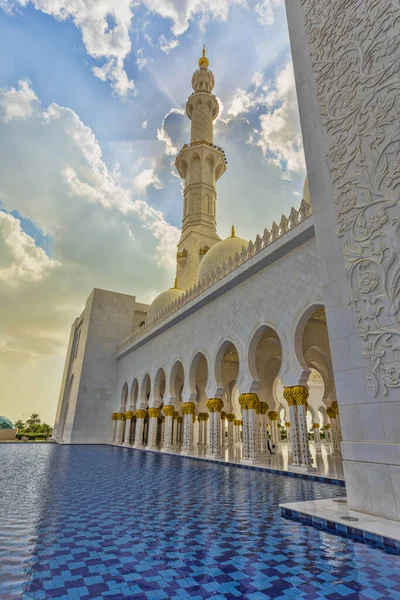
x: 269, y: 237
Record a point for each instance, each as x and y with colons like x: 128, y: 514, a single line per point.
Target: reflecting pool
x: 104, y: 522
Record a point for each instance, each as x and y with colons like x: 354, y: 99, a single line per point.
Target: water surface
x: 105, y: 522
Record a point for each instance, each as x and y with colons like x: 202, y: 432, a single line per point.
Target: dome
x: 203, y: 60
x: 306, y: 192
x: 220, y: 252
x: 163, y: 299
x: 6, y: 423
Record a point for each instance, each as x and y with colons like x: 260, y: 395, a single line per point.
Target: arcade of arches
x: 295, y: 426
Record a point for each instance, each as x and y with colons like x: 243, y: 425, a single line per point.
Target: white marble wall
x: 350, y: 166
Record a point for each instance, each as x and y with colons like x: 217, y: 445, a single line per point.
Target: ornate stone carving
x: 355, y: 50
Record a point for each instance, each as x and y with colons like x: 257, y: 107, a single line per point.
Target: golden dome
x: 220, y: 252
x: 203, y: 60
x: 162, y: 300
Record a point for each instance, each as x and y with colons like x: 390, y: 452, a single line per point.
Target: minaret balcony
x: 211, y: 157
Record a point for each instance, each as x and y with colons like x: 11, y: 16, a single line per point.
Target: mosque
x: 259, y: 343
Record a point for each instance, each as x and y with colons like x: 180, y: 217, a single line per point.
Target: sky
x: 92, y: 99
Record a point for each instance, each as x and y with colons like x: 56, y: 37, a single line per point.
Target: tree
x: 33, y: 422
x: 19, y: 425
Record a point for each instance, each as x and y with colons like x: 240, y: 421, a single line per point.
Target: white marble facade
x: 257, y: 345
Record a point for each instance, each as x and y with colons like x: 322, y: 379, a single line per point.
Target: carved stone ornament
x: 355, y: 51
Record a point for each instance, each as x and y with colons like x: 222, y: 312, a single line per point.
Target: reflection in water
x: 87, y: 521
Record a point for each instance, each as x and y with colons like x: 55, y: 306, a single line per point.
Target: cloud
x: 146, y: 178
x: 280, y: 133
x: 101, y: 235
x: 274, y: 105
x: 162, y: 135
x: 104, y: 25
x: 181, y: 12
x: 144, y: 124
x: 17, y: 103
x: 165, y: 45
x: 20, y: 259
x: 265, y: 11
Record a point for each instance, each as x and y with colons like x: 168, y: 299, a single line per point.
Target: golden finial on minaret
x: 176, y: 283
x: 233, y: 231
x: 203, y: 60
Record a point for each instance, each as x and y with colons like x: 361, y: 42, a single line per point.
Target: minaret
x: 200, y: 164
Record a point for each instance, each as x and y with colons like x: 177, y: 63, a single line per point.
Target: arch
x: 133, y: 396
x: 183, y: 167
x: 199, y: 360
x: 145, y: 390
x: 299, y: 331
x: 218, y: 171
x: 209, y: 163
x: 159, y: 386
x: 176, y: 380
x: 264, y: 340
x: 124, y: 397
x: 228, y: 347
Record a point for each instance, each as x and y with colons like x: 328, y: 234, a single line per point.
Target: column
x: 188, y: 410
x: 114, y: 429
x: 140, y: 415
x: 175, y: 439
x: 287, y: 425
x: 231, y: 418
x: 180, y: 430
x: 214, y: 406
x: 327, y: 429
x: 249, y: 404
x: 153, y: 421
x: 334, y: 430
x: 237, y: 431
x: 263, y: 428
x: 273, y: 419
x: 223, y: 422
x: 294, y: 427
x: 167, y: 441
x: 202, y: 424
x: 119, y: 436
x: 335, y: 407
x: 128, y: 422
x: 161, y: 440
x: 317, y: 434
x: 300, y: 394
x: 205, y: 430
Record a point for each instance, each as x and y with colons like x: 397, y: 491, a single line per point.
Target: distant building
x: 7, y: 431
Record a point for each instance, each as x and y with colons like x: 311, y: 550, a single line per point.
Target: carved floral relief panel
x: 355, y: 51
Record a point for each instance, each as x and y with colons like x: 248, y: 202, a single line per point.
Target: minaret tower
x: 200, y: 164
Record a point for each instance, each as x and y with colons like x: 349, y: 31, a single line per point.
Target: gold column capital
x: 114, y: 416
x: 287, y: 424
x: 315, y: 425
x: 154, y: 412
x: 120, y: 416
x: 335, y: 406
x: 273, y: 415
x: 249, y: 401
x: 263, y: 408
x: 129, y: 414
x: 140, y: 413
x: 231, y: 417
x: 169, y: 410
x: 176, y: 415
x: 188, y: 408
x: 214, y: 405
x: 296, y: 395
x: 331, y: 412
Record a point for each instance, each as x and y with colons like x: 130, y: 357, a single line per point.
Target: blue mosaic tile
x: 93, y: 522
x: 389, y: 545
